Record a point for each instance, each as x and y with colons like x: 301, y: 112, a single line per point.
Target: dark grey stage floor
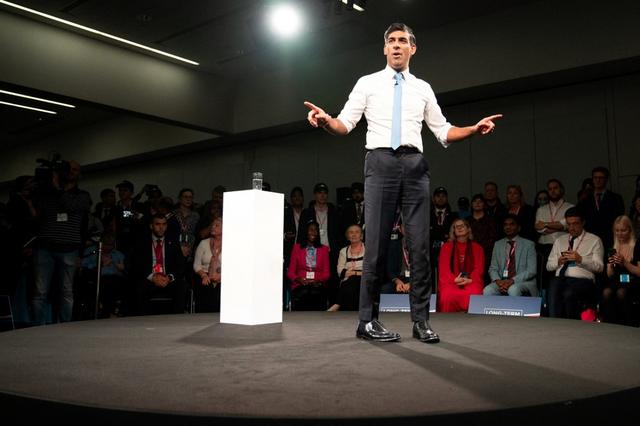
x: 190, y: 369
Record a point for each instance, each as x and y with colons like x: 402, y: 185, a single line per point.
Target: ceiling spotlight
x: 285, y: 20
x: 358, y: 5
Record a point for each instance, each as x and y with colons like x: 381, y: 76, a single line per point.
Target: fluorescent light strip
x: 100, y: 33
x: 354, y: 5
x: 28, y: 107
x: 36, y: 99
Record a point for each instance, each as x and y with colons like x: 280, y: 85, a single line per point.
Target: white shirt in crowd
x: 552, y: 212
x: 589, y: 246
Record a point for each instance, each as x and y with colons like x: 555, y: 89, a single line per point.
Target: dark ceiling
x: 228, y: 38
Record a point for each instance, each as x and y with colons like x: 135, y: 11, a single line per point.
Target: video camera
x: 43, y: 174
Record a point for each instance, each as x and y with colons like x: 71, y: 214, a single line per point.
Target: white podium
x: 251, y: 268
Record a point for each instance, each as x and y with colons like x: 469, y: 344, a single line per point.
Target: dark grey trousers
x: 395, y: 179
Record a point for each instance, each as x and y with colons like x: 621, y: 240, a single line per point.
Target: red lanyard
x: 552, y: 213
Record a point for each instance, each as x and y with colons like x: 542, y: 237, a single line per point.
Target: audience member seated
x: 350, y: 271
x: 513, y: 263
x: 309, y: 271
x: 525, y: 213
x: 575, y: 257
x: 326, y: 215
x: 206, y: 265
x: 112, y: 283
x: 623, y: 284
x: 461, y: 269
x: 483, y: 228
x: 157, y: 268
x: 62, y: 209
x: 187, y: 220
x: 464, y: 208
x: 602, y: 208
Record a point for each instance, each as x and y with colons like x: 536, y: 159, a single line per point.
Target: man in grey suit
x: 513, y: 263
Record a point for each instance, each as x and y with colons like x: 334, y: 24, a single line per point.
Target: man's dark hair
x: 219, y: 189
x: 552, y: 180
x: 602, y: 170
x: 477, y: 197
x: 511, y: 216
x: 398, y: 26
x: 491, y: 183
x: 106, y: 192
x: 159, y: 216
x: 574, y: 212
x: 296, y: 189
x: 183, y: 190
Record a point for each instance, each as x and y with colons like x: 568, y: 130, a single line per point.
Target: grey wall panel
x: 626, y: 105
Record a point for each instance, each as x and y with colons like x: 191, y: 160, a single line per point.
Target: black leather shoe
x: 423, y: 332
x: 374, y: 330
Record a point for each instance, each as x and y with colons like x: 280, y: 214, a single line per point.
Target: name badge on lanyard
x: 62, y: 217
x: 625, y: 278
x: 505, y: 273
x: 407, y: 273
x: 311, y: 275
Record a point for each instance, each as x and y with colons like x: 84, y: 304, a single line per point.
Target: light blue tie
x: 396, y: 118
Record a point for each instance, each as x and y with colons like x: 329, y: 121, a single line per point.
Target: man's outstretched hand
x: 316, y: 116
x: 486, y: 125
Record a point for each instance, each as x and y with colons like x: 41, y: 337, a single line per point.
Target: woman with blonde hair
x: 350, y: 271
x: 460, y: 269
x: 623, y: 273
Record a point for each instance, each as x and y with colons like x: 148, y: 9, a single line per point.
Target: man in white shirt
x: 575, y: 257
x: 395, y: 103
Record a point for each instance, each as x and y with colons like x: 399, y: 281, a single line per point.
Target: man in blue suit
x: 513, y: 263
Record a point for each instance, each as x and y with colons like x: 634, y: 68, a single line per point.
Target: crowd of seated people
x: 153, y: 254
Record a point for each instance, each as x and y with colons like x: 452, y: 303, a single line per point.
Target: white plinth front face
x: 251, y: 291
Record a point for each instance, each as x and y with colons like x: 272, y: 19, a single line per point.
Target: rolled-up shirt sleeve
x: 354, y: 107
x: 434, y: 118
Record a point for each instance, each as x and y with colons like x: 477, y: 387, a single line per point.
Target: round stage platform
x: 190, y: 369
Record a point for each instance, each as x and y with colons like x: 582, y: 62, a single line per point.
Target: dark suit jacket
x: 141, y: 264
x: 349, y: 215
x: 599, y: 221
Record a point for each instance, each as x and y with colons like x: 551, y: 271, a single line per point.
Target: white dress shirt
x: 589, y: 246
x: 373, y: 95
x: 552, y: 212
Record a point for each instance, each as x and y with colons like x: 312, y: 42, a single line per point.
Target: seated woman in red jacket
x: 309, y: 272
x: 460, y: 269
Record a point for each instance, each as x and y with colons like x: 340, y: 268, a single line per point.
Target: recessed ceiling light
x: 97, y: 32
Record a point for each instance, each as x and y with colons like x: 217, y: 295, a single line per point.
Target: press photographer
x: 61, y: 210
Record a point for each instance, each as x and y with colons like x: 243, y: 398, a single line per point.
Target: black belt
x: 401, y: 150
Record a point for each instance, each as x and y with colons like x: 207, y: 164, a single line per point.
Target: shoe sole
x: 390, y: 339
x: 436, y: 340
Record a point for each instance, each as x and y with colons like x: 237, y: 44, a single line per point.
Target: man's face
x: 159, y: 227
x: 297, y: 200
x: 186, y: 199
x: 74, y: 171
x: 109, y: 199
x: 511, y: 228
x: 574, y: 226
x: 216, y: 197
x: 490, y: 192
x: 398, y: 50
x: 555, y: 191
x: 357, y: 196
x: 599, y: 181
x: 321, y: 197
x: 440, y: 200
x: 477, y: 204
x: 124, y: 193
